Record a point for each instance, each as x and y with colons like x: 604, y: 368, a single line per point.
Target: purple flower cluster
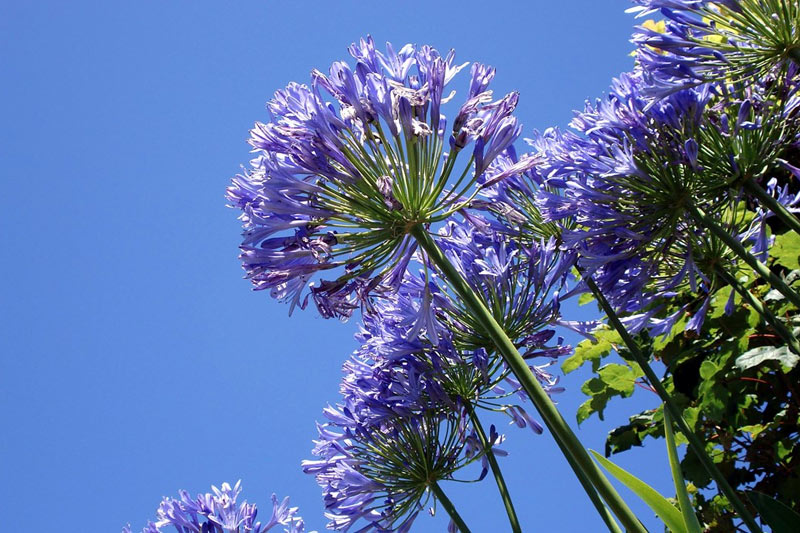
x: 385, y: 444
x: 218, y: 512
x: 347, y: 166
x: 521, y: 283
x: 703, y: 40
x: 623, y: 184
x: 404, y: 420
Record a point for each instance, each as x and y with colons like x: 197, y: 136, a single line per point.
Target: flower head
x: 349, y: 164
x: 217, y: 512
x: 627, y: 184
x: 713, y: 40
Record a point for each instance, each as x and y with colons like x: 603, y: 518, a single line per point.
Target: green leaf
x: 756, y: 356
x: 585, y: 298
x: 618, y: 377
x: 778, y: 516
x: 786, y: 250
x: 600, y: 394
x: 667, y: 512
x: 708, y: 369
x: 689, y: 518
x: 753, y: 429
x: 592, y: 351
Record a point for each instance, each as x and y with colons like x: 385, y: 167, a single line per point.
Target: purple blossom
x: 348, y: 165
x: 619, y: 188
x: 218, y: 512
x: 709, y: 40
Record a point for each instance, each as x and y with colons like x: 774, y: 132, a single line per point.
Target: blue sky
x: 135, y: 359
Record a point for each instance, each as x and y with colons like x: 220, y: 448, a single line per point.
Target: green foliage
x: 777, y: 515
x: 763, y: 354
x: 605, y: 341
x: 786, y: 250
x: 737, y: 382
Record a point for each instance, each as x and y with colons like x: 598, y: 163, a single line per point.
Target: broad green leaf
x: 780, y: 517
x: 753, y: 429
x: 786, y: 250
x: 619, y: 377
x: 708, y: 369
x: 756, y: 356
x: 667, y: 512
x: 685, y: 503
x: 592, y: 351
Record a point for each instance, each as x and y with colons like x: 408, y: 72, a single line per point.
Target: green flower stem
x: 673, y: 409
x: 773, y: 205
x: 570, y: 444
x: 762, y: 310
x: 731, y: 242
x: 449, y: 507
x: 689, y: 518
x: 498, y: 474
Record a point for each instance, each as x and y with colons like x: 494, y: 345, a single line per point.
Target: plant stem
x: 762, y: 310
x: 731, y: 242
x: 498, y: 474
x: 547, y: 410
x: 689, y: 518
x: 673, y: 409
x: 773, y: 205
x: 449, y: 507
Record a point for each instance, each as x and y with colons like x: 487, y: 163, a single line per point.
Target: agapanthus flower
x: 409, y: 397
x: 510, y: 194
x: 218, y: 512
x: 627, y: 181
x: 521, y: 280
x: 385, y: 445
x: 347, y: 166
x: 448, y: 353
x: 713, y: 40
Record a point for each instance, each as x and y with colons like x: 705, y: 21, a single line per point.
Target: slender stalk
x: 689, y: 518
x: 498, y: 474
x: 673, y: 409
x: 762, y: 310
x: 449, y: 507
x: 748, y: 258
x: 547, y: 410
x: 773, y: 205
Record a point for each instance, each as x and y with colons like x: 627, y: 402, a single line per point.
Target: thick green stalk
x: 550, y: 415
x: 762, y: 310
x: 673, y: 409
x: 498, y: 474
x: 449, y: 507
x: 773, y: 205
x: 731, y: 242
x: 689, y: 518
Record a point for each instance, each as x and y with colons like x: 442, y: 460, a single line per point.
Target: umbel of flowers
x: 410, y: 395
x: 218, y: 512
x: 349, y: 164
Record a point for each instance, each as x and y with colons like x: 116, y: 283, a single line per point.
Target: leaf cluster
x: 738, y: 383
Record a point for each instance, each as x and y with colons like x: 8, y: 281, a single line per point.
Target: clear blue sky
x: 135, y: 360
